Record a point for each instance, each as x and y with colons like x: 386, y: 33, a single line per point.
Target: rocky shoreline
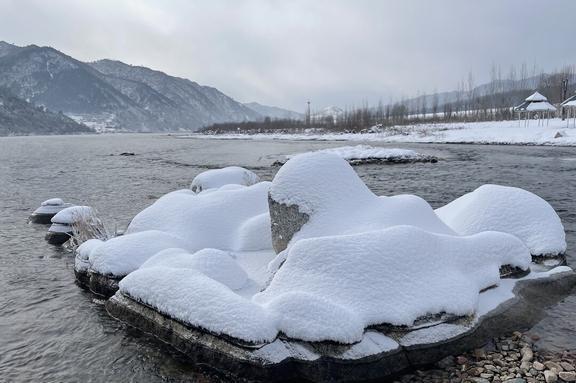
x: 512, y: 359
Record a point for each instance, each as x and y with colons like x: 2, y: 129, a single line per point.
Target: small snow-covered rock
x: 47, y: 210
x: 509, y: 210
x: 53, y: 202
x: 72, y: 214
x: 215, y: 178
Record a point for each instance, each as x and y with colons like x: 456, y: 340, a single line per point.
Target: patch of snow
x: 213, y: 263
x: 509, y: 210
x: 215, y: 178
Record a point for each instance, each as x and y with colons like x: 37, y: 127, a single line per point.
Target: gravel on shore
x: 510, y: 359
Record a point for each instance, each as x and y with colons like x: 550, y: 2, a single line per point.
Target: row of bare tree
x: 492, y: 101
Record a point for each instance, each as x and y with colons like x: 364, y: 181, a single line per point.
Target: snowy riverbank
x: 553, y: 132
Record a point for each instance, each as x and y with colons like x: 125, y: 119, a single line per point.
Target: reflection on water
x: 51, y: 330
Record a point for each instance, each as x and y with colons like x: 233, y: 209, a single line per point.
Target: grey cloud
x: 285, y: 52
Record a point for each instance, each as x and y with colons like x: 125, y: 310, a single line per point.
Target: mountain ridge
x: 109, y: 94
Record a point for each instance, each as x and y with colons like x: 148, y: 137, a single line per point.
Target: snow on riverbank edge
x: 489, y: 132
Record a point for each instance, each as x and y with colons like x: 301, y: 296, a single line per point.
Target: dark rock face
x: 57, y: 238
x: 103, y: 285
x: 532, y: 297
x: 41, y: 218
x: 286, y: 221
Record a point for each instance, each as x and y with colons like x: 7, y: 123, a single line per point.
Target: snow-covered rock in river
x: 61, y: 229
x: 215, y: 178
x: 379, y: 280
x: 366, y: 154
x: 509, y: 210
x: 231, y: 218
x: 320, y: 194
x: 47, y: 210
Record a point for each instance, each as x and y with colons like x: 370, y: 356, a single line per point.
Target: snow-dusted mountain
x: 274, y: 112
x: 18, y: 117
x: 111, y: 94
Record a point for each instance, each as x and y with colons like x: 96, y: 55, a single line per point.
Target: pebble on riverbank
x: 504, y: 360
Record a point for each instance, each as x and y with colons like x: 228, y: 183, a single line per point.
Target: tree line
x: 493, y: 101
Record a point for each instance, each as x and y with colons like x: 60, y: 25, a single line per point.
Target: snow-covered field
x: 553, y: 132
x: 206, y: 258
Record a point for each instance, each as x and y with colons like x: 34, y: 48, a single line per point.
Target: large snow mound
x: 215, y: 178
x: 327, y: 188
x: 195, y: 299
x: 509, y: 210
x: 393, y: 276
x: 223, y: 219
x: 227, y: 219
x: 363, y: 152
x: 332, y: 288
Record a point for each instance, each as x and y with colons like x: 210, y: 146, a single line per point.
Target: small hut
x: 535, y: 107
x: 570, y: 106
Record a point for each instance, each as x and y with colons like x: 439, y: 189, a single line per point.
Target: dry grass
x: 87, y: 225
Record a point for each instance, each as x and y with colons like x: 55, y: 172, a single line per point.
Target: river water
x: 52, y: 331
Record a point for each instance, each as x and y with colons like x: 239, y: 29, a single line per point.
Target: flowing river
x: 53, y: 331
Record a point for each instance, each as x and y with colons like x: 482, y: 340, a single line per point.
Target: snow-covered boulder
x: 215, y: 178
x: 47, y: 210
x: 61, y: 229
x: 509, y: 210
x: 228, y: 218
x: 224, y: 218
x: 320, y: 194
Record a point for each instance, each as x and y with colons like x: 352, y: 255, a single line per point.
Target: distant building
x: 535, y: 106
x: 570, y: 106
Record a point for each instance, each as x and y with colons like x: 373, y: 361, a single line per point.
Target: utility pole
x: 308, y: 114
x: 564, y: 96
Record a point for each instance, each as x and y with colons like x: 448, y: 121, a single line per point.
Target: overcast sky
x: 283, y: 52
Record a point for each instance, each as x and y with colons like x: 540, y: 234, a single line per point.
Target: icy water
x: 52, y: 331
